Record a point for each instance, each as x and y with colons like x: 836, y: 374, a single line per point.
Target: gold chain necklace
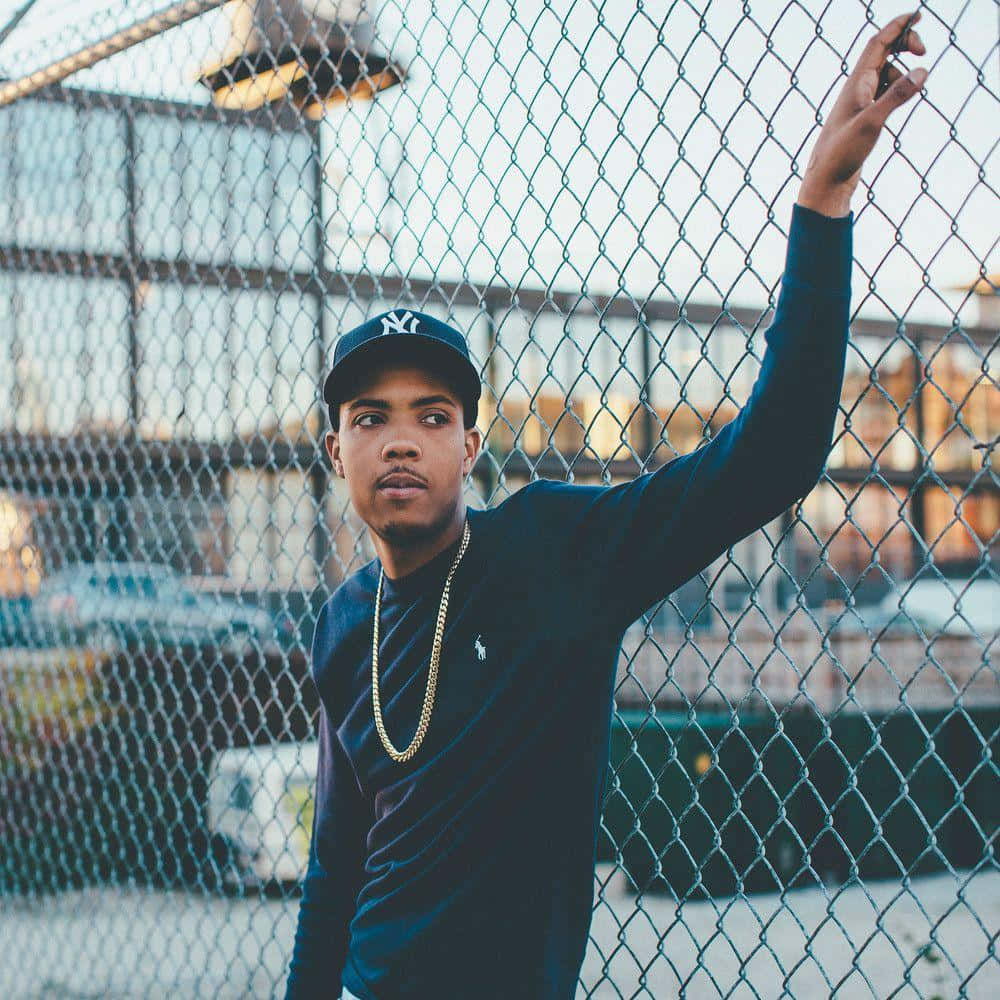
x: 425, y: 713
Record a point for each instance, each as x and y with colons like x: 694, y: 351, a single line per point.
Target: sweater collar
x: 429, y: 576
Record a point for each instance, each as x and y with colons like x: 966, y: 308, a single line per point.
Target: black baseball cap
x: 404, y: 334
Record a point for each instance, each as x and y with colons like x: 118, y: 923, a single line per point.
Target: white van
x: 260, y: 809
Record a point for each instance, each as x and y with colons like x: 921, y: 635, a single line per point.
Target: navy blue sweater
x: 468, y: 872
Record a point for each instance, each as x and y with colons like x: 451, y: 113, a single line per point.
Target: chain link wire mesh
x: 197, y: 198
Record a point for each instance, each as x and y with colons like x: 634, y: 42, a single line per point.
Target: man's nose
x: 401, y: 446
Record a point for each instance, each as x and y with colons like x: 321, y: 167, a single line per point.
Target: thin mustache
x: 402, y: 472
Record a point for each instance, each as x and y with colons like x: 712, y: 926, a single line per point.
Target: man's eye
x: 443, y: 416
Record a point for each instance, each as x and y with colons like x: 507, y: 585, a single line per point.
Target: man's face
x: 403, y: 419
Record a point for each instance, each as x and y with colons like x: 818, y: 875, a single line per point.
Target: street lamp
x: 316, y: 53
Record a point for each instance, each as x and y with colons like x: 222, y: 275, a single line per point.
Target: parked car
x: 260, y: 813
x: 125, y: 602
x: 930, y: 605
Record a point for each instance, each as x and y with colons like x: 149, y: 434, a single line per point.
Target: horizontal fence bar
x: 362, y: 287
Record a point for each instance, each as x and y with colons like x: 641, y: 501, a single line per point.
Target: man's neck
x: 400, y: 561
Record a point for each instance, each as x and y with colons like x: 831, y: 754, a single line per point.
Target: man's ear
x: 332, y: 442
x: 473, y: 442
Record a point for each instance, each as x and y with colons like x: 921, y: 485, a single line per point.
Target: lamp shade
x: 314, y: 52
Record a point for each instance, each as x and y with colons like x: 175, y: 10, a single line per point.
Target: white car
x: 927, y: 604
x: 931, y: 604
x: 260, y: 812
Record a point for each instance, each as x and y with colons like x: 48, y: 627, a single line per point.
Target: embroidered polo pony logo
x: 480, y: 648
x: 392, y: 323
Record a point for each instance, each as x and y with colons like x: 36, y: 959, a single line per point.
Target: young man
x: 465, y: 674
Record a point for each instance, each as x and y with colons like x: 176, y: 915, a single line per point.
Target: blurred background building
x: 174, y: 274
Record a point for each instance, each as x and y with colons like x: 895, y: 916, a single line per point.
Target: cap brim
x: 402, y: 347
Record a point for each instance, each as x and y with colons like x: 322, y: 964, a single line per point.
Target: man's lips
x: 400, y: 486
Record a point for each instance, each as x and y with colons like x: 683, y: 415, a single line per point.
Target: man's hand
x: 856, y: 119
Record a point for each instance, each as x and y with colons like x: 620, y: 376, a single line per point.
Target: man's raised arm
x: 632, y: 544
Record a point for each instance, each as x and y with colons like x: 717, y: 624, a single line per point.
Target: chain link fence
x: 197, y: 198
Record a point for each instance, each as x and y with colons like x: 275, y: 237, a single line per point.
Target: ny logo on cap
x: 391, y: 323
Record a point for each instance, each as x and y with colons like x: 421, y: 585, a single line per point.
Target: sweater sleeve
x: 629, y: 545
x: 336, y: 860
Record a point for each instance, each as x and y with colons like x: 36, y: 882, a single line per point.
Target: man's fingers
x: 876, y: 51
x: 892, y: 75
x: 913, y: 43
x: 899, y: 92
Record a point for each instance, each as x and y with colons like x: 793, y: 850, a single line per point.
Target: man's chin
x: 404, y: 525
x: 410, y: 522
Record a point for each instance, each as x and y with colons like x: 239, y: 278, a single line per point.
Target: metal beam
x: 279, y: 116
x: 90, y: 55
x: 363, y: 285
x: 66, y: 465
